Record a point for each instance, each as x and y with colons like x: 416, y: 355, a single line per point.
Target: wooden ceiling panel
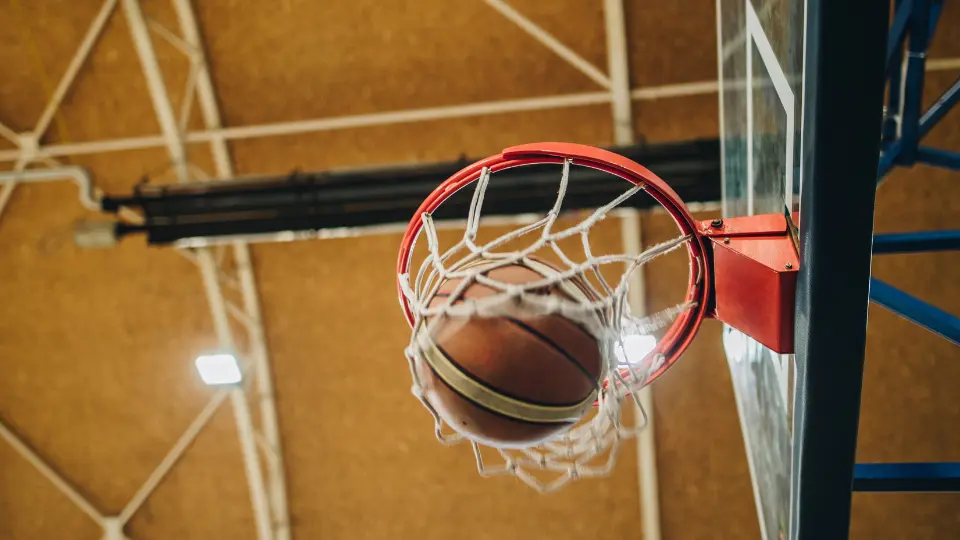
x: 672, y: 42
x: 677, y: 118
x: 944, y: 44
x: 421, y: 142
x: 300, y: 59
x: 97, y: 346
x: 31, y: 507
x: 37, y: 40
x: 206, y: 494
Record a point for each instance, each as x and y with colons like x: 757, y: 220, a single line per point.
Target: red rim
x: 685, y: 327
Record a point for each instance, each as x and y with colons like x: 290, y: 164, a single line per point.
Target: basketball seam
x: 557, y: 348
x: 484, y: 408
x: 546, y: 340
x: 499, y: 391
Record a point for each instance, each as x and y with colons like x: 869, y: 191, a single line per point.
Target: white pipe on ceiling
x: 630, y: 236
x: 619, y: 68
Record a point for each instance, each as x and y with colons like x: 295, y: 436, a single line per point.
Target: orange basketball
x: 510, y: 381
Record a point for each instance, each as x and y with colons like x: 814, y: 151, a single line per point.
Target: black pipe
x: 309, y: 202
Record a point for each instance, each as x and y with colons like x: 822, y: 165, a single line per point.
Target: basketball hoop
x: 603, y: 310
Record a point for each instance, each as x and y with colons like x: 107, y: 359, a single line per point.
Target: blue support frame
x: 916, y: 242
x: 913, y: 477
x: 904, y: 129
x: 944, y: 159
x: 845, y: 66
x: 893, y: 149
x: 930, y: 317
x: 918, y: 18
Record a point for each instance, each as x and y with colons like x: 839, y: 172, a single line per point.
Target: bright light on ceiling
x: 218, y: 369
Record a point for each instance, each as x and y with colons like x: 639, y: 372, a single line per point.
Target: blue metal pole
x: 899, y: 477
x: 916, y: 242
x: 944, y: 159
x: 895, y: 73
x: 913, y: 93
x: 845, y: 59
x: 935, y: 8
x: 940, y: 108
x: 932, y: 318
x: 889, y: 158
x: 898, y: 30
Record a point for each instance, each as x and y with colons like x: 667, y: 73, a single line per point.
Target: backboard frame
x: 844, y: 79
x: 799, y: 416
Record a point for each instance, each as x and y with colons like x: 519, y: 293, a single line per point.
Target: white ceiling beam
x: 398, y: 117
x: 618, y: 65
x: 647, y: 482
x: 157, y: 88
x: 550, y: 42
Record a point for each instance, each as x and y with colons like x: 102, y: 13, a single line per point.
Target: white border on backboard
x: 725, y: 211
x: 756, y: 36
x: 781, y: 84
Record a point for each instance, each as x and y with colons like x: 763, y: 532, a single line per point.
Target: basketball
x: 510, y: 381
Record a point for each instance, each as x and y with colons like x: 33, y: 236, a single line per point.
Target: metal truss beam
x: 175, y: 145
x: 252, y: 317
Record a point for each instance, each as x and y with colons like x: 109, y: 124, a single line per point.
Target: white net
x: 589, y: 448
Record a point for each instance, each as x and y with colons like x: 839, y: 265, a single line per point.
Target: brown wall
x: 96, y: 347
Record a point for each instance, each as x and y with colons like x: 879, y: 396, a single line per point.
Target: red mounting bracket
x: 755, y: 266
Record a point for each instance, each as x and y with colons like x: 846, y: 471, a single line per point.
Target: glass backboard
x: 760, y: 48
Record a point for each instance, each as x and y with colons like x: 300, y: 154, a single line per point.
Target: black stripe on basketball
x: 498, y: 414
x: 553, y: 288
x: 494, y: 389
x: 553, y: 345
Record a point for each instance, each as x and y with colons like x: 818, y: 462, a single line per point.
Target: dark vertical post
x: 842, y: 105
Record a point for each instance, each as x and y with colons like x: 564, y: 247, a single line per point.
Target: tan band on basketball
x: 490, y: 399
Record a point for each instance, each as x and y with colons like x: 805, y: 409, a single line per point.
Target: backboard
x: 760, y: 49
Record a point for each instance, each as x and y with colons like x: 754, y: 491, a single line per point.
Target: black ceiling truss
x: 309, y: 202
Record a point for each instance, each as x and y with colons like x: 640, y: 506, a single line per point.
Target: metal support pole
x: 940, y: 108
x: 276, y: 477
x: 930, y: 317
x: 157, y: 87
x: 939, y: 158
x: 844, y: 66
x: 238, y: 398
x: 916, y: 242
x: 619, y: 68
x: 208, y: 268
x: 901, y: 477
x: 649, y: 488
x: 913, y: 90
